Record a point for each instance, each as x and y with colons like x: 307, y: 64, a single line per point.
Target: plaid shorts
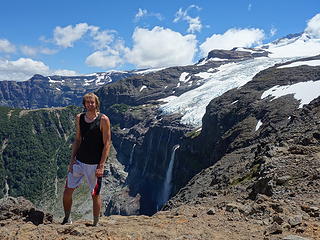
x: 88, y: 171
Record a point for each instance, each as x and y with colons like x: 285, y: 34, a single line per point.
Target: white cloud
x: 6, y: 46
x: 23, y: 69
x: 145, y: 13
x: 33, y: 51
x: 141, y: 13
x: 64, y: 72
x: 103, y: 59
x: 29, y: 51
x: 195, y: 24
x: 109, y: 57
x: 249, y: 7
x: 66, y: 36
x: 102, y: 39
x: 161, y: 47
x: 48, y: 51
x: 313, y: 26
x: 232, y: 38
x: 273, y: 31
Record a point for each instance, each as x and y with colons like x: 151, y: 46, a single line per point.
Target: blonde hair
x: 91, y: 95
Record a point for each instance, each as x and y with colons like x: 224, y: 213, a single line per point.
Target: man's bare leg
x: 96, y: 208
x: 67, y: 203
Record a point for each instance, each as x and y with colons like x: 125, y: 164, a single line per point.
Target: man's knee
x: 95, y: 197
x: 68, y: 192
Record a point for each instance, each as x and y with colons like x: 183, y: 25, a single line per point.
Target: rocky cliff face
x: 53, y: 91
x: 143, y: 136
x: 230, y: 120
x: 259, y: 155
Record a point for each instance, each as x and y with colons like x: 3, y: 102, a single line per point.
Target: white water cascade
x: 6, y: 188
x: 131, y: 154
x: 167, y: 185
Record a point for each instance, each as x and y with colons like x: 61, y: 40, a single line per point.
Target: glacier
x: 192, y: 104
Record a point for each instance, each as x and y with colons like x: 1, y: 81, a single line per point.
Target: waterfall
x: 167, y: 185
x: 147, y: 154
x: 6, y: 187
x: 56, y: 187
x: 131, y: 154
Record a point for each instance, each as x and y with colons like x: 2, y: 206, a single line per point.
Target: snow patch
x: 54, y: 81
x: 312, y: 63
x: 258, y: 125
x: 143, y: 87
x: 204, y: 75
x: 183, y: 77
x: 302, y: 46
x: 149, y: 70
x: 305, y: 92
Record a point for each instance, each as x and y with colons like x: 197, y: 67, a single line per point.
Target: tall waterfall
x: 131, y: 154
x: 167, y: 185
x: 6, y: 187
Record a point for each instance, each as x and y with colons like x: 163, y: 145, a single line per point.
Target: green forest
x: 34, y: 150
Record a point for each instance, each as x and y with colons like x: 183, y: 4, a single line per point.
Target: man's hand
x: 70, y: 167
x: 99, y: 170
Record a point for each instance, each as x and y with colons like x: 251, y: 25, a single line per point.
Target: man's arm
x: 106, y: 135
x: 76, y: 144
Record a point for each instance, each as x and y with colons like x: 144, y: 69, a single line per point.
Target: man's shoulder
x: 79, y: 115
x: 104, y: 117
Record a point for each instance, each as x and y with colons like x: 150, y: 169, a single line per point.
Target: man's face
x: 90, y: 104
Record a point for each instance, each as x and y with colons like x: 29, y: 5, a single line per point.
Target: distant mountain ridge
x: 54, y: 91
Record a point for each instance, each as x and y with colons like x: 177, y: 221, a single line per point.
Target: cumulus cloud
x: 109, y: 57
x: 233, y: 38
x: 6, y: 46
x: 66, y: 36
x: 102, y: 38
x: 313, y: 26
x: 33, y: 51
x: 104, y: 59
x: 23, y: 69
x: 195, y: 24
x: 161, y: 47
x: 145, y: 13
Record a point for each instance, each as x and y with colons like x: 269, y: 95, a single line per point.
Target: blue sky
x: 82, y: 37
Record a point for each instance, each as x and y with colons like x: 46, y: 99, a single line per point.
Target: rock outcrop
x: 15, y: 209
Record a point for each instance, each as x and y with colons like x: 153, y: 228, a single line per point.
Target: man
x: 89, y: 153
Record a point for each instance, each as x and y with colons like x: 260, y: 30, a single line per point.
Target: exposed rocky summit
x: 197, y: 222
x: 234, y: 54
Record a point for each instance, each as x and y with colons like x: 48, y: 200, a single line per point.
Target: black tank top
x: 91, y: 146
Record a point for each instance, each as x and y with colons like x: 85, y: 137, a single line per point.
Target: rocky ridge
x: 54, y: 91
